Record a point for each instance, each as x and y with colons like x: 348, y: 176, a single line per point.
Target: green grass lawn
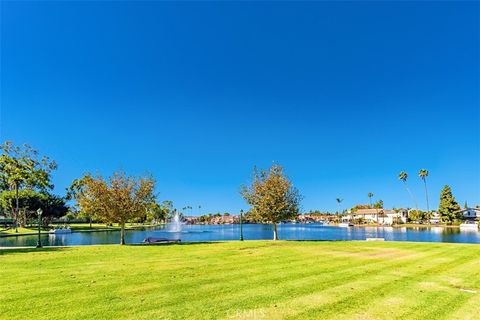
x: 243, y: 280
x: 73, y: 226
x: 20, y: 230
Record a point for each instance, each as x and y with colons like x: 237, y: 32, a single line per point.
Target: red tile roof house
x: 308, y: 218
x: 383, y: 216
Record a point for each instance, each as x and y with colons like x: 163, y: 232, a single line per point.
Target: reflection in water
x: 254, y: 232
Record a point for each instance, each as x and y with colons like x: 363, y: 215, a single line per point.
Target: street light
x: 241, y: 225
x: 39, y: 213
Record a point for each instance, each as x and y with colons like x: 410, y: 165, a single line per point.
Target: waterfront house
x: 435, y: 218
x: 309, y: 218
x: 470, y: 213
x: 384, y: 216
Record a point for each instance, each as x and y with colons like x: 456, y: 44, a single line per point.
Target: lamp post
x: 241, y: 225
x: 39, y: 213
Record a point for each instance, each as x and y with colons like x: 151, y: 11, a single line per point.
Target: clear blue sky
x: 344, y: 95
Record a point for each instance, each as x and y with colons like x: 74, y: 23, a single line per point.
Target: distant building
x: 435, y: 218
x: 309, y: 218
x: 470, y: 213
x: 384, y: 216
x: 213, y: 219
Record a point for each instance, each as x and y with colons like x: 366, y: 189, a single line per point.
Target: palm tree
x: 370, y: 195
x: 423, y: 174
x: 339, y: 201
x: 404, y: 176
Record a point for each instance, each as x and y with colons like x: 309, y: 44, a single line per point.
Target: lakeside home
x: 214, y: 219
x: 312, y: 218
x: 384, y: 216
x: 435, y: 219
x: 470, y: 213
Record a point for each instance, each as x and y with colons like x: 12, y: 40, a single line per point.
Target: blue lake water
x: 196, y: 233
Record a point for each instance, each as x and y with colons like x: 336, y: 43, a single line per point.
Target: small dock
x: 152, y: 240
x: 375, y: 239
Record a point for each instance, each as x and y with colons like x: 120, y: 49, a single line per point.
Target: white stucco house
x: 435, y: 218
x: 384, y: 216
x: 470, y: 213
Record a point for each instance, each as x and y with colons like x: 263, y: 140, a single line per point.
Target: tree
x: 21, y: 167
x: 30, y: 201
x: 75, y: 192
x: 403, y: 176
x: 26, y: 201
x: 53, y: 207
x: 339, y: 202
x: 423, y: 174
x: 448, y: 208
x: 272, y: 197
x: 370, y: 195
x: 118, y: 199
x: 417, y: 215
x: 360, y: 206
x: 379, y: 205
x: 161, y: 211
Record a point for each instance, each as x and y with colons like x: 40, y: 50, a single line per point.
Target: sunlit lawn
x: 250, y: 280
x: 73, y: 226
x: 20, y: 230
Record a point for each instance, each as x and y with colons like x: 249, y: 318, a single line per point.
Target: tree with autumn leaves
x: 272, y: 197
x: 116, y: 199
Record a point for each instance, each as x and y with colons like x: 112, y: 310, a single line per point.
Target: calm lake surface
x: 195, y: 233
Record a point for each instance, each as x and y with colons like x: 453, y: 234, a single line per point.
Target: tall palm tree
x: 423, y: 174
x: 370, y: 195
x: 339, y: 201
x: 404, y: 176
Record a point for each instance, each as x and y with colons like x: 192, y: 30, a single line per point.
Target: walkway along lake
x: 196, y: 233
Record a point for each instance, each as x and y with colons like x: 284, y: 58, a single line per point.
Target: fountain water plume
x: 176, y: 223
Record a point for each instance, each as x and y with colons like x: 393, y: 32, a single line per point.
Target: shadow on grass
x: 6, y: 251
x: 17, y: 250
x: 173, y: 244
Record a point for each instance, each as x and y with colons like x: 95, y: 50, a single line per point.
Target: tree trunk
x: 122, y: 233
x: 90, y: 220
x: 17, y: 207
x: 275, y: 236
x: 426, y: 194
x: 411, y: 195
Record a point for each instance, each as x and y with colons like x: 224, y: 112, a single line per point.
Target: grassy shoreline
x: 97, y: 227
x: 78, y: 227
x: 237, y: 280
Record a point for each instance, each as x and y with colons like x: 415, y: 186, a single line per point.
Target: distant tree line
x: 26, y: 186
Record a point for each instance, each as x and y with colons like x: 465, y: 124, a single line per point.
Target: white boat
x: 470, y: 225
x: 60, y: 231
x: 345, y: 224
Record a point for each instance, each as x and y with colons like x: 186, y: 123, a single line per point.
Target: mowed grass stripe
x: 341, y: 287
x: 299, y: 280
x: 363, y: 300
x: 268, y: 294
x: 208, y: 281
